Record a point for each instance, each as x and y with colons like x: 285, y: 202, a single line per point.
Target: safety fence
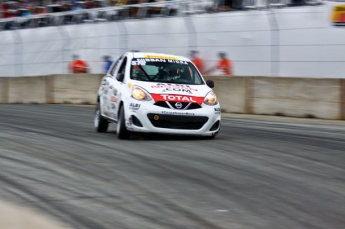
x: 300, y: 42
x: 295, y: 97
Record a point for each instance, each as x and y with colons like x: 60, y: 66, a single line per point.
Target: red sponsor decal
x: 178, y: 98
x: 113, y: 99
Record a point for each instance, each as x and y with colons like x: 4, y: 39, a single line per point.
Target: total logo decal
x: 178, y: 98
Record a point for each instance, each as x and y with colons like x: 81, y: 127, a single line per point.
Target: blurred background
x: 298, y: 38
x: 260, y: 172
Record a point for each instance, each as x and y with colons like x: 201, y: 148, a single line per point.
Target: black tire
x: 101, y: 124
x: 122, y: 132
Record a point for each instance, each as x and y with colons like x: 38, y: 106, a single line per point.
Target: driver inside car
x: 137, y: 73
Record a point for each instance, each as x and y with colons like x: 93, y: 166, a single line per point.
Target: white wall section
x: 294, y: 41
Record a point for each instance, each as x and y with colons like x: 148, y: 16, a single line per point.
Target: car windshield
x: 165, y: 71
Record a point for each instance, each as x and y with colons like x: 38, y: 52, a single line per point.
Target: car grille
x: 185, y: 106
x: 181, y: 122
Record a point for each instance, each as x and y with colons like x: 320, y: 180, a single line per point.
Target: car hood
x: 175, y: 92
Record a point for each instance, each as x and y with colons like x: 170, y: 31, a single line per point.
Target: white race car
x: 156, y: 93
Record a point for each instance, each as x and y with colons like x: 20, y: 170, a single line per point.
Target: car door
x: 107, y: 90
x: 114, y: 95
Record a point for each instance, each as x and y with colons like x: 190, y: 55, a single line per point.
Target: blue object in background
x: 107, y: 65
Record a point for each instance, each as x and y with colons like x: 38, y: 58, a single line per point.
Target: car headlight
x: 211, y: 99
x: 140, y: 93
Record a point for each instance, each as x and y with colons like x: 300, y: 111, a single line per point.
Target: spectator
x: 90, y: 4
x: 78, y: 65
x: 198, y: 62
x: 76, y: 6
x: 224, y: 65
x: 108, y: 63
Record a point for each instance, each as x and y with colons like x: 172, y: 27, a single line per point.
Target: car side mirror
x: 120, y: 77
x: 210, y: 83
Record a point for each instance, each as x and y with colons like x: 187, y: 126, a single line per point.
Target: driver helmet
x: 175, y: 71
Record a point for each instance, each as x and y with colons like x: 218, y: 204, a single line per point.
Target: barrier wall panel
x: 7, y: 70
x: 40, y: 39
x: 154, y: 35
x: 246, y: 40
x: 306, y: 43
x: 234, y: 21
x: 42, y: 57
x: 27, y: 90
x: 234, y: 39
x: 252, y: 68
x: 292, y: 18
x: 81, y: 30
x: 45, y: 69
x: 183, y: 51
x: 76, y: 89
x: 6, y: 44
x: 317, y: 53
x: 313, y: 69
x: 6, y: 60
x: 156, y: 26
x: 160, y: 41
x: 231, y: 93
x: 53, y: 44
x: 109, y: 43
x: 4, y: 89
x: 8, y: 49
x: 315, y: 36
x: 297, y: 97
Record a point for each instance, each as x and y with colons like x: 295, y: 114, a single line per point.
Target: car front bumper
x: 149, y: 118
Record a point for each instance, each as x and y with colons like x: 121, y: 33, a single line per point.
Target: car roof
x: 158, y: 56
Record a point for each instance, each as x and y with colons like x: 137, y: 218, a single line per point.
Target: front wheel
x: 122, y: 132
x: 101, y: 125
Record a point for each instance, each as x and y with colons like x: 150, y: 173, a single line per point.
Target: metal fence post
x: 65, y: 45
x: 192, y: 34
x: 123, y: 37
x: 18, y: 53
x: 275, y: 43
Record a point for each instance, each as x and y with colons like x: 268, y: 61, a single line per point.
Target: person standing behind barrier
x: 197, y: 61
x: 108, y: 63
x: 78, y: 66
x: 224, y: 65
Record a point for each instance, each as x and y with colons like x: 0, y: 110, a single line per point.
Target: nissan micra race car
x: 156, y: 93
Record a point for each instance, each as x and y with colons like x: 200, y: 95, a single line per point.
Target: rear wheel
x: 101, y: 124
x: 121, y: 130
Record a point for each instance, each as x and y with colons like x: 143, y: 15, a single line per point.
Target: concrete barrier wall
x: 16, y: 217
x: 75, y: 89
x: 295, y: 97
x: 26, y: 90
x: 231, y: 93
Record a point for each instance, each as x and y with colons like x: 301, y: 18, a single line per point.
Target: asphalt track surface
x: 258, y: 172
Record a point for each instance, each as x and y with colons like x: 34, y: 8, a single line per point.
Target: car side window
x: 112, y: 71
x: 123, y: 66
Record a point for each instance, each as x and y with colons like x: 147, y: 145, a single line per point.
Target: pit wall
x: 295, y: 97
